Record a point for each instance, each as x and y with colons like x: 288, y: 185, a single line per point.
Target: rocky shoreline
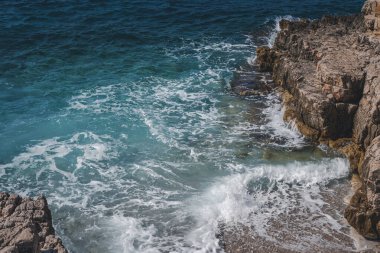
x: 328, y: 71
x: 26, y: 226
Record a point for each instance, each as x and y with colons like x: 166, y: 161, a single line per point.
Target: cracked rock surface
x: 26, y: 226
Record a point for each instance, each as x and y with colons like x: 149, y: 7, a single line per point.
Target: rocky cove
x: 327, y: 74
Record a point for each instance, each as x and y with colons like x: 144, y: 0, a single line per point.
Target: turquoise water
x: 121, y: 113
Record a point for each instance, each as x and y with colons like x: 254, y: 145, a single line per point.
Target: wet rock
x: 241, y: 241
x: 329, y: 70
x: 248, y: 82
x: 266, y: 58
x: 351, y: 150
x: 364, y: 210
x: 287, y: 232
x: 302, y: 154
x: 291, y: 115
x: 26, y: 226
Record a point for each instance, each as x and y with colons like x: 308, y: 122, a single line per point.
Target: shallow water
x: 122, y: 115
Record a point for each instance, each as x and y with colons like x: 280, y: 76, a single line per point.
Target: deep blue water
x: 121, y: 114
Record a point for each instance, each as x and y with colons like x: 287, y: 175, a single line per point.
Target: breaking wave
x: 159, y: 161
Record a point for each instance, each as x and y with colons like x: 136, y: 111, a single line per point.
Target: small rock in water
x: 248, y: 82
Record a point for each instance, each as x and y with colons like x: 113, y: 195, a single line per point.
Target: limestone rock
x: 266, y: 58
x: 330, y: 72
x: 367, y: 119
x: 351, y: 150
x: 371, y: 11
x: 315, y: 62
x: 363, y: 213
x: 26, y: 226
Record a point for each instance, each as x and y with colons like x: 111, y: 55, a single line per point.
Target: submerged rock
x: 248, y: 82
x: 291, y: 231
x: 329, y: 70
x: 26, y: 226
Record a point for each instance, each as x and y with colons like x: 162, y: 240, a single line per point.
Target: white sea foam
x: 129, y: 235
x: 44, y: 155
x: 272, y: 36
x: 288, y: 131
x: 186, y: 128
x: 263, y: 194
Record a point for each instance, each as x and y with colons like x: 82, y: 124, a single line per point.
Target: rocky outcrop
x: 371, y: 11
x: 329, y: 71
x: 325, y: 84
x: 26, y: 226
x: 364, y: 209
x: 367, y: 119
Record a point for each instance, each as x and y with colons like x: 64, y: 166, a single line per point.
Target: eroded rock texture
x: 325, y: 84
x: 367, y: 119
x: 371, y: 10
x: 364, y: 210
x: 329, y: 70
x: 26, y: 226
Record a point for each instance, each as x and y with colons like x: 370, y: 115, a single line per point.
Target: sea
x: 122, y: 114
